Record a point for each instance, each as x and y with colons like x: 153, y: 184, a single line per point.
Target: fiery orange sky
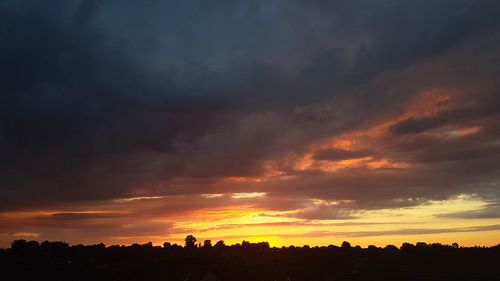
x: 265, y: 207
x: 280, y: 121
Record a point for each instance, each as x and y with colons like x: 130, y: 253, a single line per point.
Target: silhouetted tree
x: 54, y: 245
x: 421, y: 245
x: 346, y: 245
x: 207, y: 243
x: 136, y: 245
x: 20, y: 245
x: 407, y: 247
x: 220, y: 244
x: 263, y: 245
x: 391, y: 248
x: 190, y: 241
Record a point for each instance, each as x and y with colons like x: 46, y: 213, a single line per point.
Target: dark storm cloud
x: 100, y: 99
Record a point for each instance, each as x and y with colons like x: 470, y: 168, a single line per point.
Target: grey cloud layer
x: 100, y: 99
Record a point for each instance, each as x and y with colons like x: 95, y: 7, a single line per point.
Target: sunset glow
x: 289, y: 122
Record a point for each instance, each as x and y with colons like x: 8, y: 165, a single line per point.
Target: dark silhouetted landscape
x: 247, y: 261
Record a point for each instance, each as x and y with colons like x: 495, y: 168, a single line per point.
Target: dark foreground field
x: 248, y: 261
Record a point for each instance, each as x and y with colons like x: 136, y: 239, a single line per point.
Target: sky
x: 294, y: 122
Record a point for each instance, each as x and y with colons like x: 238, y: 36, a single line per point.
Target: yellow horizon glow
x: 234, y: 224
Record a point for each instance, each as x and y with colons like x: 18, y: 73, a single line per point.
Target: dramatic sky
x: 295, y: 122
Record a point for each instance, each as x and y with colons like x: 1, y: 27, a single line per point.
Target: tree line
x: 31, y: 260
